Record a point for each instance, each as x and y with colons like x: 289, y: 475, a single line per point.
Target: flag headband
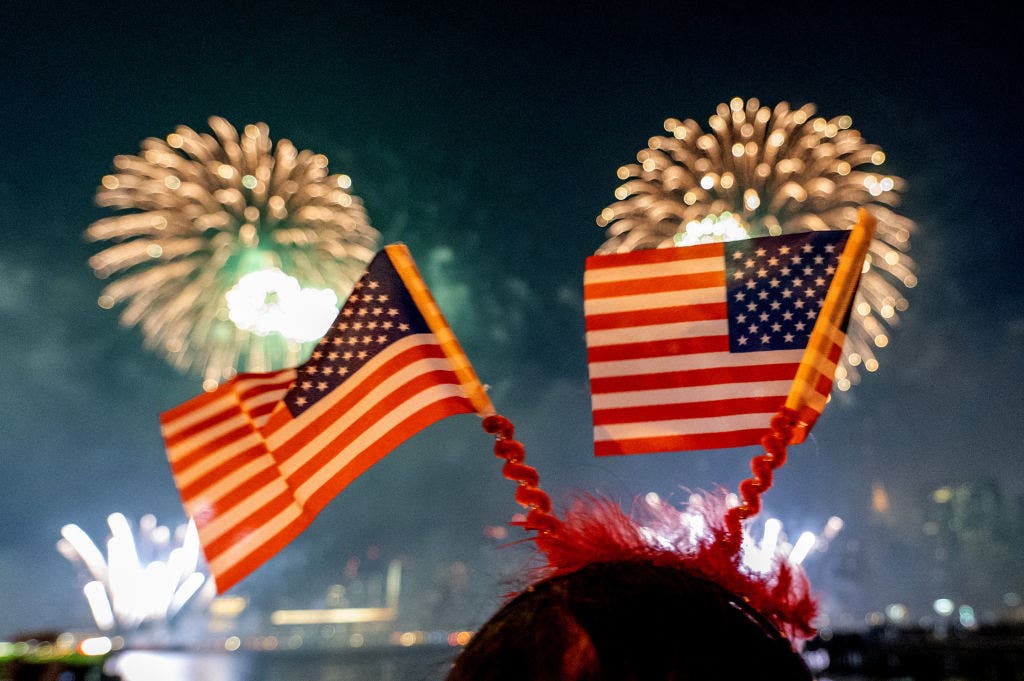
x: 596, y: 530
x: 806, y: 399
x: 258, y: 458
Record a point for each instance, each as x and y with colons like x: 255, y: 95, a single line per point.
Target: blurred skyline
x: 488, y: 142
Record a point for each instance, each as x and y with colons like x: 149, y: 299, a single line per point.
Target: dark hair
x: 623, y: 621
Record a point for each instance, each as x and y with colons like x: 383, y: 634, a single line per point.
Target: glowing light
x: 879, y: 498
x: 228, y: 606
x: 751, y: 200
x: 942, y: 495
x: 778, y: 171
x: 832, y: 527
x: 495, y: 532
x: 967, y: 617
x: 83, y: 548
x: 802, y: 547
x: 196, y: 213
x: 269, y: 301
x: 943, y: 606
x: 232, y: 643
x: 124, y: 592
x: 99, y: 645
x: 724, y: 227
x: 99, y: 605
x: 332, y: 616
x: 770, y: 539
x: 773, y: 548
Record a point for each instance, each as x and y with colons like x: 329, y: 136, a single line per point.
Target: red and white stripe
x: 661, y: 374
x: 254, y: 477
x: 813, y: 381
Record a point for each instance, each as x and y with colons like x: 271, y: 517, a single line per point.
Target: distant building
x: 349, y: 618
x: 969, y: 540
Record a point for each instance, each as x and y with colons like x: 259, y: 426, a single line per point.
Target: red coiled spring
x: 528, y: 494
x: 763, y: 467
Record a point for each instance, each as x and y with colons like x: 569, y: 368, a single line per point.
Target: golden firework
x: 770, y: 171
x: 220, y: 233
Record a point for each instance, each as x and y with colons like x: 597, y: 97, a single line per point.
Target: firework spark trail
x: 144, y: 579
x: 203, y: 210
x: 772, y: 171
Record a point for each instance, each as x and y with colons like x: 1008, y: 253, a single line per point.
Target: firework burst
x: 199, y: 212
x: 770, y: 171
x: 144, y: 578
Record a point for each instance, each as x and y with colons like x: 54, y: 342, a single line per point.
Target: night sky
x: 488, y: 142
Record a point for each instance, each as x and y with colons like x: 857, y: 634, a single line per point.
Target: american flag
x: 258, y: 458
x: 698, y: 347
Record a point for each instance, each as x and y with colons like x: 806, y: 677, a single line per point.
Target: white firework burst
x: 201, y: 211
x: 144, y: 578
x: 770, y: 171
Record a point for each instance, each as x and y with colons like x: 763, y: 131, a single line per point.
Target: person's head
x: 627, y: 620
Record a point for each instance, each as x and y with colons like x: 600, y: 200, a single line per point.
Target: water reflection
x: 423, y: 663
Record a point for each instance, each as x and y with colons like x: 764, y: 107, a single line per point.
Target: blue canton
x: 775, y: 286
x: 379, y: 312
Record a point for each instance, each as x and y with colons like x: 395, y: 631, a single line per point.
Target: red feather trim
x: 596, y: 530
